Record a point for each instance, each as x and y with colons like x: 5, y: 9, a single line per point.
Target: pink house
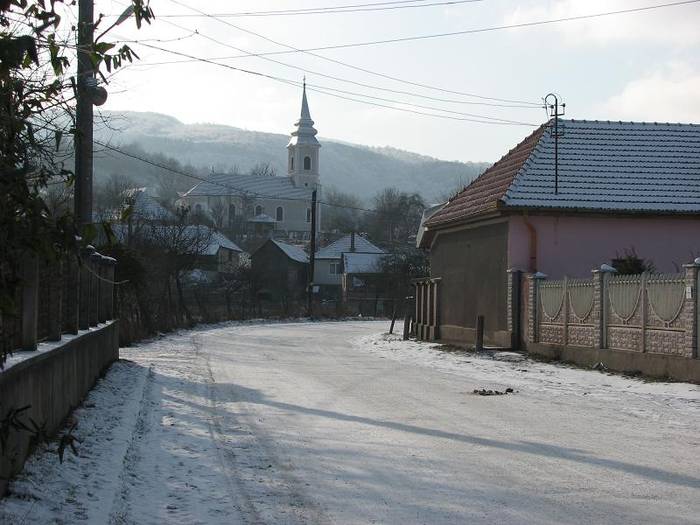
x: 615, y: 187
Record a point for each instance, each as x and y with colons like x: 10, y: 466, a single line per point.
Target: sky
x: 640, y: 66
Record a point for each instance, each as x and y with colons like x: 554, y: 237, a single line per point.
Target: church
x: 267, y: 206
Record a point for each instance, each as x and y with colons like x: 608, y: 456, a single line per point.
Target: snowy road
x: 332, y: 423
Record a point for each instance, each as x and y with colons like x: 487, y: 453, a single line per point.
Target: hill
x: 351, y: 168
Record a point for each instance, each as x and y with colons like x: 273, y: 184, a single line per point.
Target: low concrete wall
x: 53, y: 382
x: 462, y: 335
x: 649, y: 364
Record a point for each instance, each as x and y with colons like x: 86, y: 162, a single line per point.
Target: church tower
x: 303, y: 150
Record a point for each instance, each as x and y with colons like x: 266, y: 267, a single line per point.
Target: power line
x: 514, y: 104
x: 459, y: 33
x: 293, y: 49
x: 240, y: 191
x: 357, y: 8
x: 484, y: 117
x: 480, y: 120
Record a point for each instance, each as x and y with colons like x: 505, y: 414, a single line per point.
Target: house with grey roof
x: 562, y: 205
x: 328, y: 266
x: 263, y: 204
x: 281, y: 272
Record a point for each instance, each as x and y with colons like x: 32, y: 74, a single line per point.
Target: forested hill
x: 356, y: 169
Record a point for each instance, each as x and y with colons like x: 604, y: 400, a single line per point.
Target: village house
x: 614, y: 187
x: 263, y: 206
x: 328, y: 270
x: 281, y: 271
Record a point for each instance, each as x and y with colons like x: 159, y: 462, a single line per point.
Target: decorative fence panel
x: 427, y: 304
x: 652, y: 313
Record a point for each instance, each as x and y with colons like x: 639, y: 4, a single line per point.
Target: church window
x: 291, y: 163
x: 258, y: 210
x: 198, y: 208
x: 307, y: 163
x: 308, y: 214
x: 280, y: 214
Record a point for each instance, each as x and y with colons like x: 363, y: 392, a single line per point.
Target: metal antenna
x: 554, y: 112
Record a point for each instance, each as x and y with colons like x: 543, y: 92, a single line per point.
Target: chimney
x: 352, y: 242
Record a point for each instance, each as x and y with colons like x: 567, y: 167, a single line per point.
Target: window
x: 280, y: 214
x: 307, y: 163
x: 258, y: 210
x: 198, y: 208
x: 308, y: 214
x: 335, y: 268
x: 291, y: 163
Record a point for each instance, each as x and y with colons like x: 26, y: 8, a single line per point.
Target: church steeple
x: 304, y: 148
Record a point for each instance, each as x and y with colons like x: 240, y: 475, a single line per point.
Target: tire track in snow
x: 270, y: 492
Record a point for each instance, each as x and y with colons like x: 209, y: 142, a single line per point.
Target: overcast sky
x: 642, y: 66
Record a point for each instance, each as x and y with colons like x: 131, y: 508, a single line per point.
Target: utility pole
x: 312, y: 257
x: 554, y: 111
x: 83, y: 137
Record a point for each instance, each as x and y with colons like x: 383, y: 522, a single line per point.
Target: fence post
x: 514, y: 307
x: 601, y: 303
x: 30, y: 302
x: 111, y: 288
x: 565, y: 286
x: 71, y: 294
x: 690, y: 309
x: 643, y: 298
x: 436, y: 302
x: 86, y: 288
x: 533, y: 301
x: 55, y: 328
x: 94, y: 308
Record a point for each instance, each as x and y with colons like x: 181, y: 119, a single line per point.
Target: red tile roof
x: 485, y: 192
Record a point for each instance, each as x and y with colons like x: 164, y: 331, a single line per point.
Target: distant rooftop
x: 295, y: 253
x: 343, y: 245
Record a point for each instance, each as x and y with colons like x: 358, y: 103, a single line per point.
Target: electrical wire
x: 463, y: 32
x: 358, y: 8
x: 292, y: 49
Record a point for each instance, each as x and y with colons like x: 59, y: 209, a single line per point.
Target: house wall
x: 575, y: 245
x: 323, y: 275
x: 294, y: 210
x: 281, y: 276
x: 472, y: 264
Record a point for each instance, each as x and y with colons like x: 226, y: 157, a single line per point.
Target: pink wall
x: 575, y: 245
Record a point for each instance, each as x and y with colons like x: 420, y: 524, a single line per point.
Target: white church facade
x: 267, y: 205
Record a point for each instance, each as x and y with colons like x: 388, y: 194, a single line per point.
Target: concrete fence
x: 644, y: 323
x: 61, y: 338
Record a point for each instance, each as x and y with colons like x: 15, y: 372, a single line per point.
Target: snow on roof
x: 343, y: 245
x: 219, y: 184
x: 217, y: 239
x: 603, y: 166
x: 295, y: 253
x: 262, y: 218
x: 362, y: 262
x: 146, y: 207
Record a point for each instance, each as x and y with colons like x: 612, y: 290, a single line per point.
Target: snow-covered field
x: 337, y: 423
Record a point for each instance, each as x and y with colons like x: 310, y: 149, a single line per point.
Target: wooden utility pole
x: 86, y: 84
x: 312, y: 257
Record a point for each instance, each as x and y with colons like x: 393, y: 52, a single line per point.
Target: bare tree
x: 263, y: 169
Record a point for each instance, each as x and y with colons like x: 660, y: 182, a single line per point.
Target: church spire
x: 305, y: 113
x: 305, y: 133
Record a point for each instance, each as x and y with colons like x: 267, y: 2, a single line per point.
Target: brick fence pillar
x: 690, y: 309
x: 533, y: 308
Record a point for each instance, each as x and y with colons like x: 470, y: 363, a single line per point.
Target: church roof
x: 305, y: 133
x: 224, y: 184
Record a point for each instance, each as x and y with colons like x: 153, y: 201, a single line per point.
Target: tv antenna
x: 553, y: 111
